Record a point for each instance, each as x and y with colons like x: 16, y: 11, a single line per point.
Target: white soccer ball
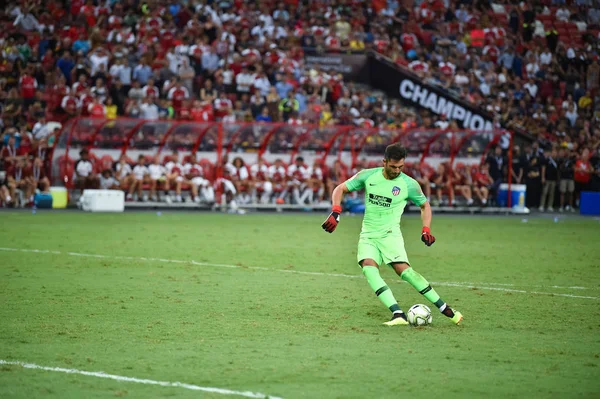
x: 419, y: 315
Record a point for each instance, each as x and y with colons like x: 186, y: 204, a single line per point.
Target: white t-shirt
x: 84, y: 168
x: 148, y: 111
x: 156, y: 171
x: 531, y: 88
x: 123, y: 170
x: 40, y: 130
x: 276, y: 172
x: 139, y: 171
x: 461, y: 79
x: 228, y: 77
x: 109, y: 182
x: 97, y: 60
x: 170, y: 165
x: 244, y: 81
x: 242, y: 173
x: 195, y: 169
x: 443, y: 125
x: 546, y: 58
x: 256, y: 169
x: 302, y: 171
x: 263, y: 85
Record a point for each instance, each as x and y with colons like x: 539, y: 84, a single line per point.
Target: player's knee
x: 368, y: 262
x: 400, y: 267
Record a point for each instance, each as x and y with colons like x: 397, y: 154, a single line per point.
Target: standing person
x: 567, y: 184
x: 497, y: 164
x: 549, y: 180
x: 533, y: 180
x: 517, y: 165
x: 583, y: 173
x: 387, y: 190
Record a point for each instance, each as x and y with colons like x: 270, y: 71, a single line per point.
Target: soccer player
x: 387, y: 190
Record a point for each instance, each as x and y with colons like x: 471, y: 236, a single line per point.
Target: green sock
x: 420, y: 284
x: 382, y: 291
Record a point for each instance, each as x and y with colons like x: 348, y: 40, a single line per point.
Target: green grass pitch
x: 270, y: 303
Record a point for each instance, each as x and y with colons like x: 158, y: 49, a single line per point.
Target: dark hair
x: 395, y: 151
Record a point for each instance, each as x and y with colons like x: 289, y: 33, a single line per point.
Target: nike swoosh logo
x: 372, y: 184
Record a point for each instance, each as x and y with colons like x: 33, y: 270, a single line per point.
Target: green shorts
x: 388, y: 249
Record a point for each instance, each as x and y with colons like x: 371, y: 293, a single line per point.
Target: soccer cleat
x: 458, y: 317
x: 398, y: 319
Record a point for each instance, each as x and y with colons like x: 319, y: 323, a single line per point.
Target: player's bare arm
x: 426, y: 215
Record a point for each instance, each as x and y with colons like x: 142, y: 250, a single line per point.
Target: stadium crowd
x: 533, y: 65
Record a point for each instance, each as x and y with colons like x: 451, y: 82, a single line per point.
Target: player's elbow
x: 341, y: 189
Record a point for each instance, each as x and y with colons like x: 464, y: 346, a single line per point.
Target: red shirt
x: 202, y: 114
x: 97, y: 110
x: 185, y: 113
x: 177, y: 95
x: 28, y: 86
x: 408, y: 41
x: 76, y: 6
x: 582, y: 177
x: 11, y: 152
x: 166, y: 40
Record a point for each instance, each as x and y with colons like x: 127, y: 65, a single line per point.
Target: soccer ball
x: 419, y: 315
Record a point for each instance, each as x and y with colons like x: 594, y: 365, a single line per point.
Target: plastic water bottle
x: 158, y: 213
x: 33, y: 209
x: 555, y: 219
x: 524, y: 220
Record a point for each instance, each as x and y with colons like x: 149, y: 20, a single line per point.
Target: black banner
x: 402, y: 84
x: 353, y: 67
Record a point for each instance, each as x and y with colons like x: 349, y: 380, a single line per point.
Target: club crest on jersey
x: 396, y: 190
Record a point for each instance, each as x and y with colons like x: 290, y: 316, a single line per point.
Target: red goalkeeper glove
x: 426, y: 237
x: 333, y: 219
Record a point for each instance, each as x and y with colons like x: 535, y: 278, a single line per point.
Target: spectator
x: 107, y: 181
x: 567, y: 184
x: 208, y: 92
x: 264, y: 116
x: 66, y: 65
x: 288, y: 105
x: 186, y: 75
x: 142, y: 72
x: 244, y: 81
x: 210, y: 61
x: 149, y: 110
x: 262, y: 84
x: 582, y: 174
x: 100, y: 91
x: 121, y: 70
x: 99, y: 60
x: 497, y: 165
x: 111, y: 108
x: 549, y: 176
x: 84, y: 172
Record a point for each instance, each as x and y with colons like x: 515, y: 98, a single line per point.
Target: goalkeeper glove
x: 426, y: 237
x: 333, y: 219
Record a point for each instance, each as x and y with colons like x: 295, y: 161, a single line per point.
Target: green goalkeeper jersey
x: 384, y: 200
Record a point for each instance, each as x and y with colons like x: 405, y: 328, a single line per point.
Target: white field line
x: 481, y: 286
x: 102, y: 374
